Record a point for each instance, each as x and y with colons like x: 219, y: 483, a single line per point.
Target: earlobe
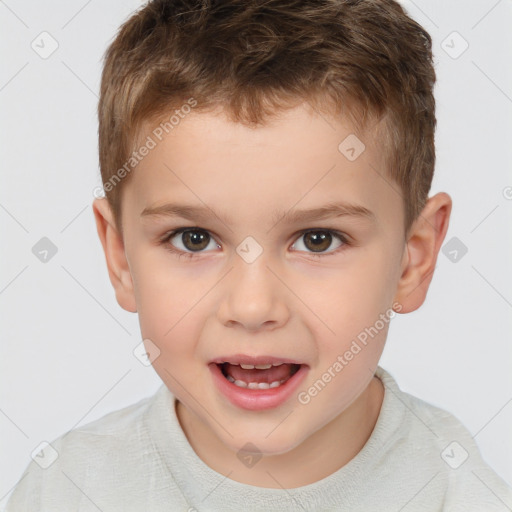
x: 115, y: 256
x: 424, y: 242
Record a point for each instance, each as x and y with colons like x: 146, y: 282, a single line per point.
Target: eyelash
x: 345, y: 242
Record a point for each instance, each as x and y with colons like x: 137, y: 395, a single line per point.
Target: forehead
x: 299, y: 157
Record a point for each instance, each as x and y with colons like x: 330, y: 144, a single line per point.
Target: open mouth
x: 261, y: 376
x: 257, y: 383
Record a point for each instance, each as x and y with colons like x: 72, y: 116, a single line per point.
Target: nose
x: 253, y: 298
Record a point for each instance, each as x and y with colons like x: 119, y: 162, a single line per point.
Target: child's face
x: 304, y: 299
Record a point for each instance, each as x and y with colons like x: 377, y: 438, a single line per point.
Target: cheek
x: 168, y: 301
x: 352, y: 296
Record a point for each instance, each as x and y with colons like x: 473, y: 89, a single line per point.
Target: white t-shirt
x: 418, y: 458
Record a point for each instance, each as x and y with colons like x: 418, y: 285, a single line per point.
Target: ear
x: 420, y: 255
x: 113, y: 246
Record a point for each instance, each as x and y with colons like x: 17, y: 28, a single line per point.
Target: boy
x: 267, y: 167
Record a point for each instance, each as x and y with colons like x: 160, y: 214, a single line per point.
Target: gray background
x: 67, y: 347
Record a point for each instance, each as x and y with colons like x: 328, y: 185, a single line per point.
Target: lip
x: 257, y: 399
x: 254, y: 360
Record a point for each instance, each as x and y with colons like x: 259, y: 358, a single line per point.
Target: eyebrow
x: 202, y: 213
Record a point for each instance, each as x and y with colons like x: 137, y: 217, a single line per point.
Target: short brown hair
x: 256, y: 57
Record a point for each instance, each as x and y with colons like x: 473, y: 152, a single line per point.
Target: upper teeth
x: 259, y: 366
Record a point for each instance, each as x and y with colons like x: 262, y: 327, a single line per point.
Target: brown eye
x: 192, y: 240
x: 195, y: 240
x: 319, y: 241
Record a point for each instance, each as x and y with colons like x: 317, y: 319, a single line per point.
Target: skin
x: 290, y: 302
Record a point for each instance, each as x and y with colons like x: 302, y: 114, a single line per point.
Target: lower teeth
x: 255, y: 385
